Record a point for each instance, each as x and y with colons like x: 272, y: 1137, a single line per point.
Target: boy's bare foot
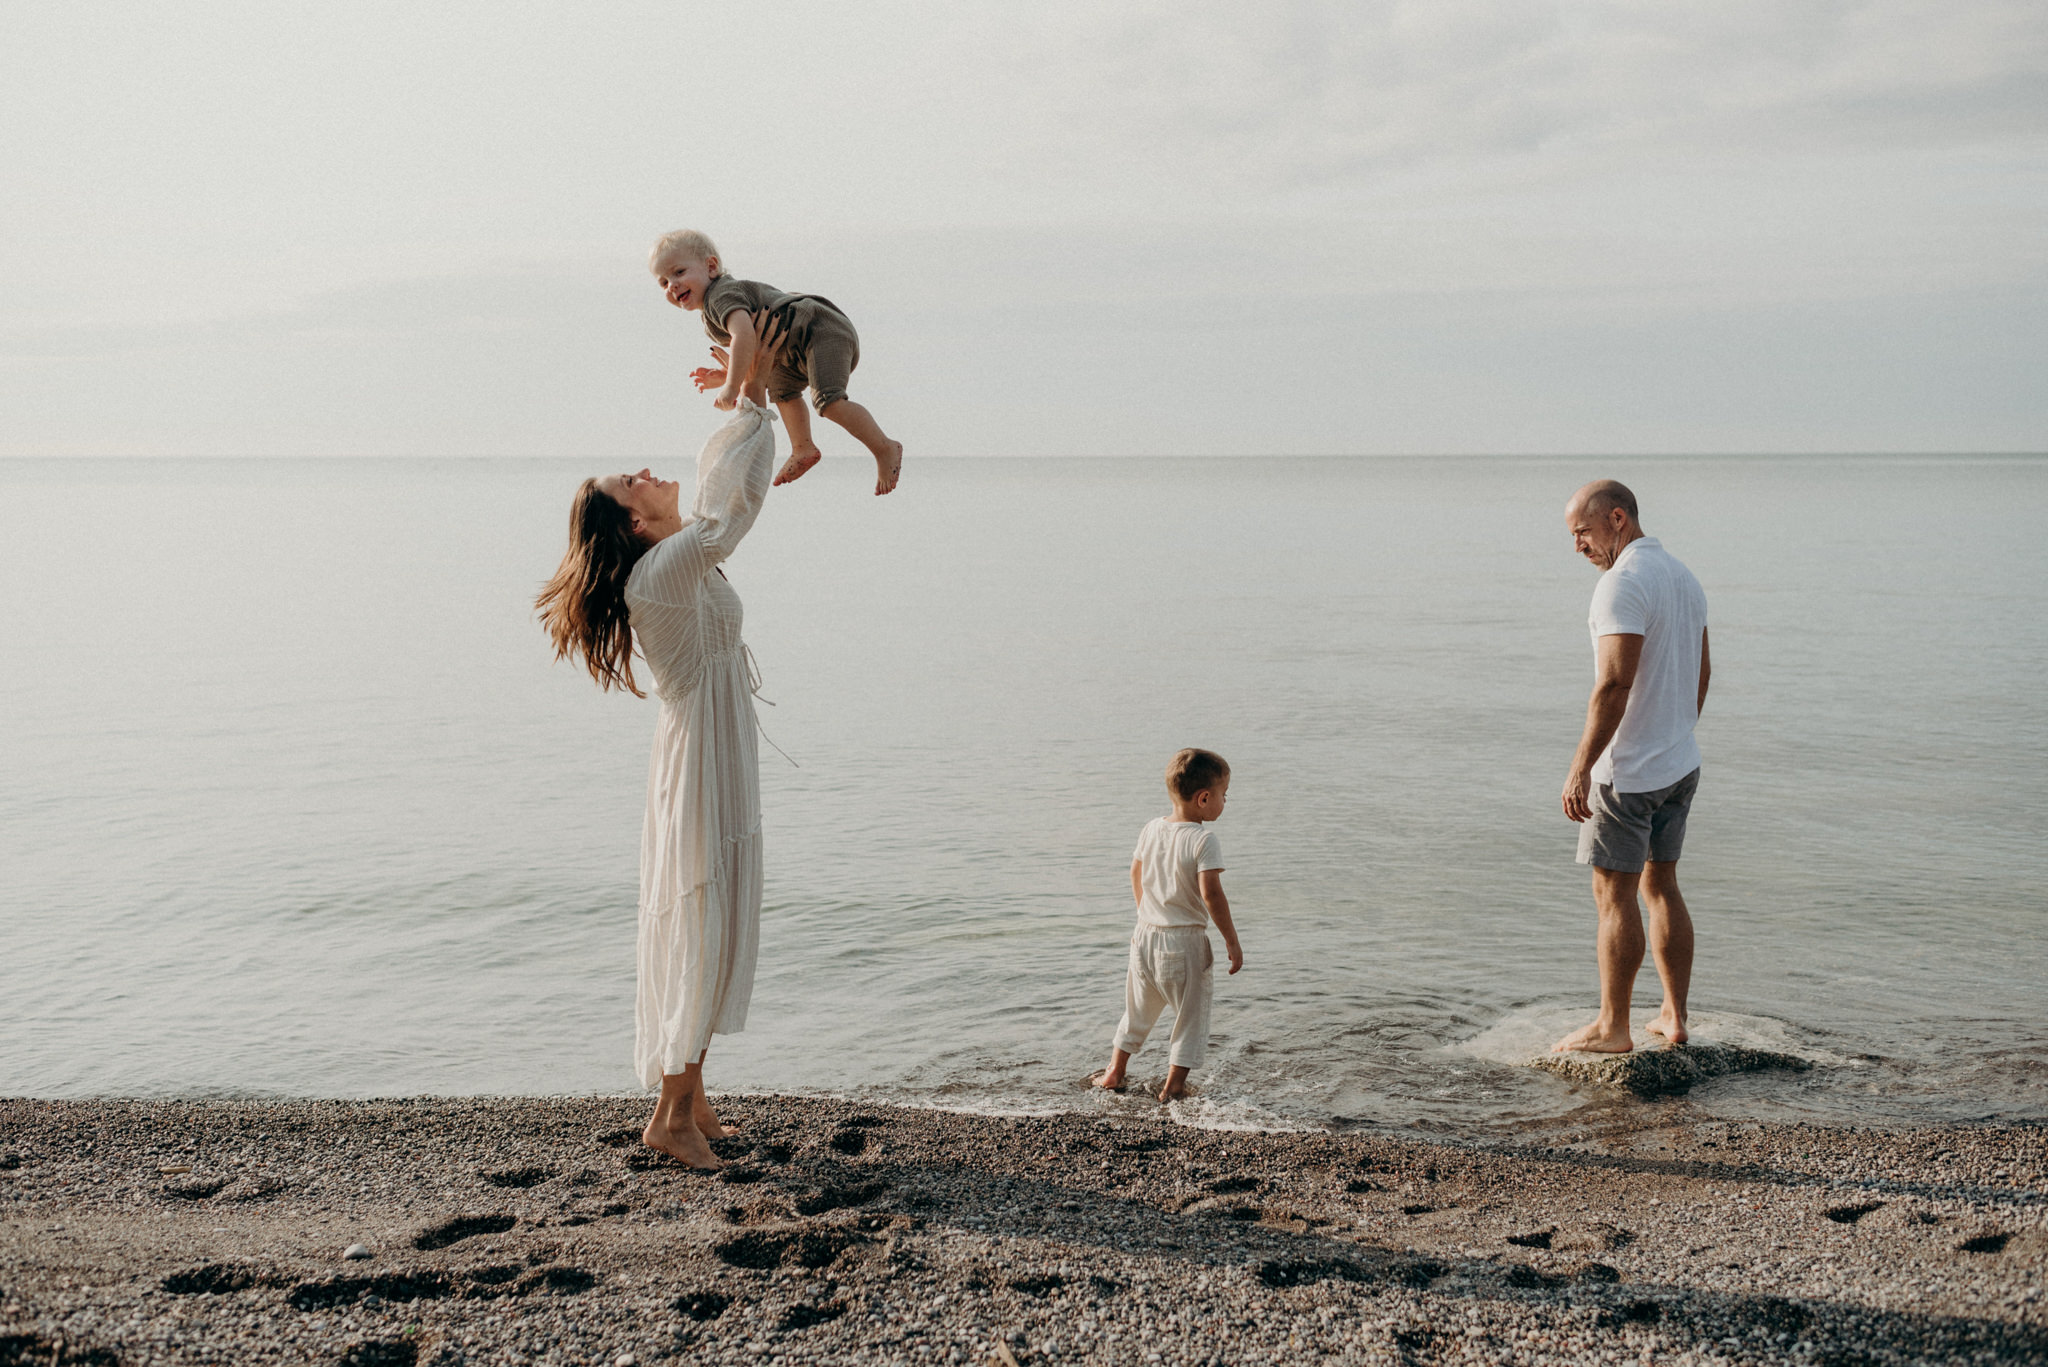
x: 888, y: 468
x: 1594, y: 1039
x: 799, y: 463
x: 1108, y: 1081
x: 1670, y: 1026
x: 686, y: 1146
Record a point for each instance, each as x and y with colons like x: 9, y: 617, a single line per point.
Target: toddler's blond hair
x: 684, y: 244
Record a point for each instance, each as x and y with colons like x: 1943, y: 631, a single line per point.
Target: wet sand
x: 502, y: 1231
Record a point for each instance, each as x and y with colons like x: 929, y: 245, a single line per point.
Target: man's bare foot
x: 1669, y: 1026
x: 1594, y: 1039
x: 889, y: 469
x: 1108, y: 1081
x: 686, y: 1146
x: 799, y: 463
x: 707, y: 1121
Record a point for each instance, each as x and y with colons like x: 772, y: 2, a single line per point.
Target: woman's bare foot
x: 1669, y: 1025
x: 799, y: 463
x: 1183, y: 1092
x: 1594, y: 1039
x: 888, y: 468
x: 707, y: 1121
x: 1108, y: 1080
x: 686, y: 1146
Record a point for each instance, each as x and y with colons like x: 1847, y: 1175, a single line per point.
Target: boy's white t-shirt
x: 1172, y: 856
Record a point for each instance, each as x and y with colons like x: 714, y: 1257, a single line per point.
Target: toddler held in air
x: 1177, y: 881
x: 819, y: 350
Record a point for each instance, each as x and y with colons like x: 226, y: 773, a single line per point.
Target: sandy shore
x: 503, y: 1231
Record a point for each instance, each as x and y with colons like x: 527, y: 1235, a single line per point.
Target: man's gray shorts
x: 1627, y: 828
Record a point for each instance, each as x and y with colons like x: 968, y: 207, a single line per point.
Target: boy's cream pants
x: 1170, y: 966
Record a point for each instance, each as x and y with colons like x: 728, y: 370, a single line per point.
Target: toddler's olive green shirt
x: 727, y: 293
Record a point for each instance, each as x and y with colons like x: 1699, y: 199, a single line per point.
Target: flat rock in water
x: 1668, y: 1070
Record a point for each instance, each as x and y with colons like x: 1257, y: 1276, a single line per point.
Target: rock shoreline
x: 513, y: 1231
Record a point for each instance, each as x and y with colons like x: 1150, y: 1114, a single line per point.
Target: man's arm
x: 1614, y: 674
x: 740, y: 324
x: 1706, y: 670
x: 1219, y: 912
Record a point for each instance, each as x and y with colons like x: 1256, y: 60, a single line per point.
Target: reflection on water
x: 295, y: 803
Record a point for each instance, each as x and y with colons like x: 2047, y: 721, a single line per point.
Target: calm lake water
x: 295, y: 802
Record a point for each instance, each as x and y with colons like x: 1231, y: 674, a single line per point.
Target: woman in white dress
x: 636, y: 568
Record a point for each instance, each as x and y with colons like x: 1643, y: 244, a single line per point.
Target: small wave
x: 1204, y: 1111
x: 1232, y: 1113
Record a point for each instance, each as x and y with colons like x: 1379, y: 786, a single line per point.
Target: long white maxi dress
x: 700, y: 849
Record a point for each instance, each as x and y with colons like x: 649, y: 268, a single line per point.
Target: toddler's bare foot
x: 1670, y: 1025
x: 686, y: 1146
x: 888, y: 469
x: 1593, y: 1039
x: 799, y: 463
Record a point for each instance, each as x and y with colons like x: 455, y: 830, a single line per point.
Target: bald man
x: 1632, y: 779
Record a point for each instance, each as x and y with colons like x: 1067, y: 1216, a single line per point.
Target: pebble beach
x: 540, y: 1231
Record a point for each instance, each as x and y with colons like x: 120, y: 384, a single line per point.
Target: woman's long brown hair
x: 584, y: 606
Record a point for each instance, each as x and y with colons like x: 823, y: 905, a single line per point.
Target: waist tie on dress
x: 754, y: 687
x: 753, y: 668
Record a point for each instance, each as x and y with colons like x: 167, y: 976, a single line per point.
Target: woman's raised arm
x: 732, y: 482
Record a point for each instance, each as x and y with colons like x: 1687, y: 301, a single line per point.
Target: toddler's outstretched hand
x: 707, y: 377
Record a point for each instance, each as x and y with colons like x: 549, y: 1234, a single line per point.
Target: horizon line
x: 1610, y: 454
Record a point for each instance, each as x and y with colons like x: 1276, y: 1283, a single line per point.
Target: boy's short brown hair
x: 1192, y: 770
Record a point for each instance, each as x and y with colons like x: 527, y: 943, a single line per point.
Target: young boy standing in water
x: 820, y: 351
x: 1177, y: 881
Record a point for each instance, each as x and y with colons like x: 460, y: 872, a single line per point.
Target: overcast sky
x: 1438, y: 226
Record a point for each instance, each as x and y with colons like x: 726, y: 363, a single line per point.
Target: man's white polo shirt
x: 1648, y: 593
